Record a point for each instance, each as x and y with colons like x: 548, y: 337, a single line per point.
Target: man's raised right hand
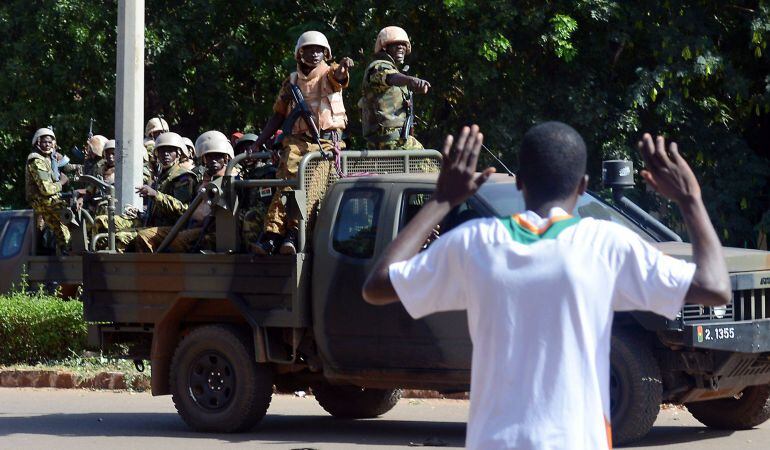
x: 666, y: 171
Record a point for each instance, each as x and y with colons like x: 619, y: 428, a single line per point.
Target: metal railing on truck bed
x: 314, y: 176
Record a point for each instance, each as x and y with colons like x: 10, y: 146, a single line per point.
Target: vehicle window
x: 588, y: 206
x: 414, y: 199
x: 14, y: 236
x: 355, y: 229
x: 506, y: 200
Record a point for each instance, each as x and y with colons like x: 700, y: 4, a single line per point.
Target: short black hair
x: 552, y: 161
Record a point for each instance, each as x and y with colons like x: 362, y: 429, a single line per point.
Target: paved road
x: 81, y: 420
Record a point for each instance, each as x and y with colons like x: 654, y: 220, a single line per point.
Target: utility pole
x: 129, y: 103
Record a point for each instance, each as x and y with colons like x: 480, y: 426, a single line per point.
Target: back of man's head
x: 552, y: 161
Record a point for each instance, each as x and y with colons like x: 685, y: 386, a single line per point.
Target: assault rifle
x: 406, y: 130
x: 302, y: 110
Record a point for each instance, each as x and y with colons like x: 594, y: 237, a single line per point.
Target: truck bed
x: 140, y: 288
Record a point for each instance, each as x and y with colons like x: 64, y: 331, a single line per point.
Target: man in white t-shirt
x: 540, y: 287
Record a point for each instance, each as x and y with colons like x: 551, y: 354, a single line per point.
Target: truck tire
x: 636, y: 388
x: 748, y: 411
x: 353, y: 402
x: 216, y: 385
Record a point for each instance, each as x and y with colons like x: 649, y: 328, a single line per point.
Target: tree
x: 695, y: 70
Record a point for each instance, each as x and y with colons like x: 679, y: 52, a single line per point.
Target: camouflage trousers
x: 294, y: 148
x: 252, y: 221
x: 410, y: 143
x: 125, y: 231
x: 149, y: 239
x: 50, y: 210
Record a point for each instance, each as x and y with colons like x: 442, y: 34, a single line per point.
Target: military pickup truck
x: 223, y: 330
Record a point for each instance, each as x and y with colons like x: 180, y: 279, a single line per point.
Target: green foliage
x: 39, y: 327
x: 695, y: 70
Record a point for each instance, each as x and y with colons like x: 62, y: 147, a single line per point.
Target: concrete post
x: 129, y: 103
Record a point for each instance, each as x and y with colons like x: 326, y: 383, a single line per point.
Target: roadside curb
x: 117, y: 381
x: 13, y: 378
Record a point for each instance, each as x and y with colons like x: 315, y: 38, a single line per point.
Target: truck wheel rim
x: 212, y: 381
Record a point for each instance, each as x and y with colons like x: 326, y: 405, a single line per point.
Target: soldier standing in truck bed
x: 321, y: 85
x: 43, y: 186
x: 386, y: 101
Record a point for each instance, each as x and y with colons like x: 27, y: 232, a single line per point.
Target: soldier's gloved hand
x: 146, y: 191
x: 419, y: 85
x: 63, y: 179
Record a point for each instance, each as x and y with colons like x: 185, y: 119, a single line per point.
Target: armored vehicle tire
x: 635, y: 386
x: 752, y: 408
x: 353, y: 402
x: 216, y: 385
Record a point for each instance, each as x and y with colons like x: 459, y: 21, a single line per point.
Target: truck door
x: 439, y: 341
x: 356, y: 225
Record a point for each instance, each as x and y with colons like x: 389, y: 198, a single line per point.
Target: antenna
x: 510, y: 173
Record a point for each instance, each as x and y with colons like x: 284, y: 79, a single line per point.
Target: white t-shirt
x: 540, y: 302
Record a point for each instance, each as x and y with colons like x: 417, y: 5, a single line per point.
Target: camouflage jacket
x: 383, y: 107
x: 176, y: 188
x: 40, y: 182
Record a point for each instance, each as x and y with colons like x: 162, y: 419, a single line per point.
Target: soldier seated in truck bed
x: 215, y: 151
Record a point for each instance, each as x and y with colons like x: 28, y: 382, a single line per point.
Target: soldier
x: 44, y: 186
x: 386, y: 101
x: 175, y: 187
x: 255, y: 201
x: 215, y: 151
x: 94, y: 155
x: 107, y: 170
x: 154, y: 128
x: 321, y: 85
x: 187, y: 158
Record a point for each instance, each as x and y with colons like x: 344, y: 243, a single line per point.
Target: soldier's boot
x: 266, y: 245
x: 289, y: 245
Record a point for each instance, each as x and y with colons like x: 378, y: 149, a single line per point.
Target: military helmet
x: 109, y: 145
x: 170, y: 139
x: 97, y: 144
x: 313, y: 38
x: 213, y: 142
x: 42, y: 132
x: 156, y: 124
x: 190, y: 146
x: 389, y: 35
x: 245, y: 140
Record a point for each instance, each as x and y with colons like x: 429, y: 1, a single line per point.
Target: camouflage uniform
x: 294, y: 148
x: 384, y: 107
x: 93, y: 167
x: 255, y: 203
x: 297, y: 142
x: 43, y: 194
x: 176, y: 188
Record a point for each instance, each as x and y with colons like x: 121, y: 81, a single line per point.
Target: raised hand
x: 458, y: 179
x: 666, y: 171
x: 341, y: 72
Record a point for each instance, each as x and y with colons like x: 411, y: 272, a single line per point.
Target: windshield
x: 506, y: 200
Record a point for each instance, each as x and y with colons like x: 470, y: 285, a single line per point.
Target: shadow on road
x: 275, y: 428
x: 669, y: 435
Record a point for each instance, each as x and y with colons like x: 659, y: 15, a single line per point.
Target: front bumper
x: 743, y: 337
